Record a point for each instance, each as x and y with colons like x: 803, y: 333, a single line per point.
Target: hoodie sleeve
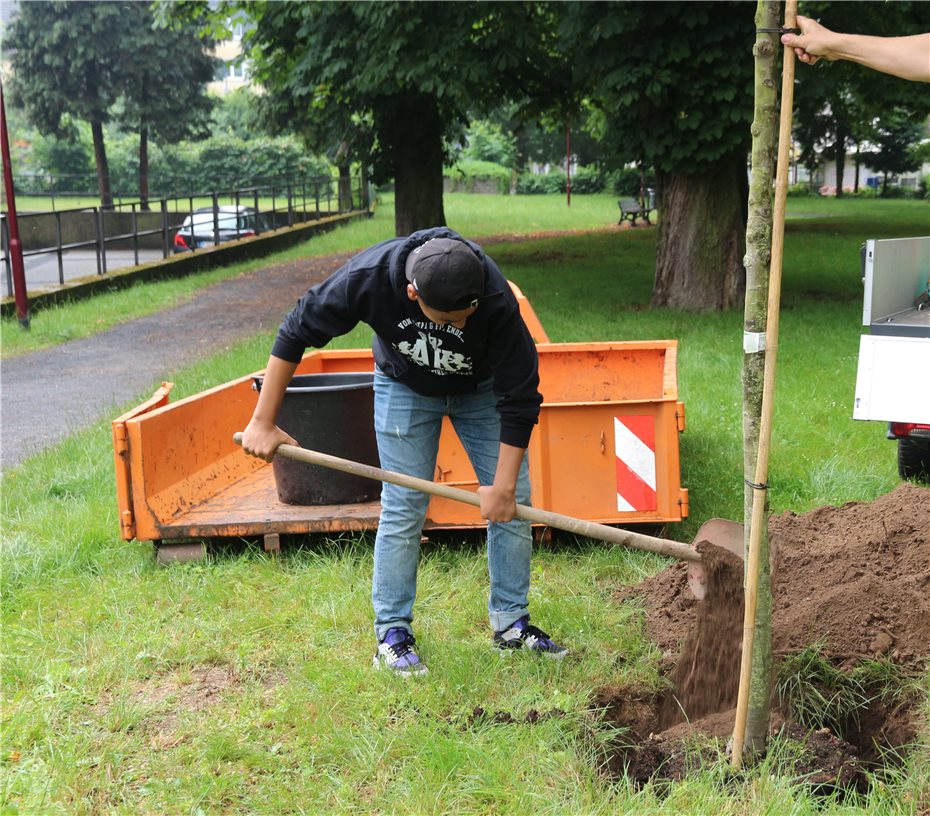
x: 515, y: 367
x: 322, y: 313
x: 516, y: 381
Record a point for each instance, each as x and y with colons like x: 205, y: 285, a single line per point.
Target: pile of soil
x: 854, y: 578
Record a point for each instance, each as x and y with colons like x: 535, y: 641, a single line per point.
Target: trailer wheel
x: 913, y: 460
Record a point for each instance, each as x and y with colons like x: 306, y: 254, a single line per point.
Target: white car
x: 200, y: 229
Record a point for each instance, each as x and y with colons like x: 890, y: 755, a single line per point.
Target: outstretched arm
x: 498, y: 500
x: 262, y: 437
x: 904, y: 57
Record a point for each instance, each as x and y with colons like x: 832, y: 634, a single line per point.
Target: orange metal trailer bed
x: 605, y: 450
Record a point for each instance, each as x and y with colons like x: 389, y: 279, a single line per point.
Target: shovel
x: 718, y: 532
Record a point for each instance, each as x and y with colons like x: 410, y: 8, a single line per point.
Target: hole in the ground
x: 646, y: 748
x: 855, y: 579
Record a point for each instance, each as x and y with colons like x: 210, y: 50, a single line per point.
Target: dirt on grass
x: 853, y: 579
x: 165, y: 701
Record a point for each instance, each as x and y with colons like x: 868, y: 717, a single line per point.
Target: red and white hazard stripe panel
x: 635, y: 446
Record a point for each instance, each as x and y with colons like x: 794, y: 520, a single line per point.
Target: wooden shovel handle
x: 590, y: 529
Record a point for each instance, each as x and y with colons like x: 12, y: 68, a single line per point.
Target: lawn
x: 470, y: 215
x: 243, y: 684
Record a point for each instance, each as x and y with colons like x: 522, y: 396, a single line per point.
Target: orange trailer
x: 605, y: 450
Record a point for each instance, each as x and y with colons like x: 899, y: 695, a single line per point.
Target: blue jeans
x: 407, y: 426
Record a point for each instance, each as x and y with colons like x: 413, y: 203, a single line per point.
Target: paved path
x: 42, y: 273
x: 46, y: 396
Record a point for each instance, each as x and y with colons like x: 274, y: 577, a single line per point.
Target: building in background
x: 233, y: 71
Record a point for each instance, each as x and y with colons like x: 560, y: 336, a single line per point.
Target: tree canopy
x: 66, y: 62
x: 674, y: 84
x: 162, y: 87
x: 674, y: 80
x: 74, y: 60
x: 895, y: 138
x: 162, y: 90
x: 397, y: 82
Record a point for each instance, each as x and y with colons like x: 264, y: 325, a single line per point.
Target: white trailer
x: 893, y: 378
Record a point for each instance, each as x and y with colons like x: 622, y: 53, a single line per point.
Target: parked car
x: 232, y: 222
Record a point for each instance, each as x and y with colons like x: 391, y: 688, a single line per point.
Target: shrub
x: 540, y: 183
x: 896, y: 191
x: 587, y: 180
x: 469, y: 176
x: 64, y: 159
x: 218, y: 163
x: 488, y: 142
x: 801, y: 190
x: 627, y: 181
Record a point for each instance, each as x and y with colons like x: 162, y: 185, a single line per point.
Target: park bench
x: 631, y: 209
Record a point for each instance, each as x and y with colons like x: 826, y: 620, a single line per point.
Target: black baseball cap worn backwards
x: 446, y: 274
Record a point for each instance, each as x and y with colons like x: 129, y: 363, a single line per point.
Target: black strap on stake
x: 778, y: 31
x: 755, y: 486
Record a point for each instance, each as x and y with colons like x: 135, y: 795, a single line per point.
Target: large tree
x: 896, y: 138
x: 67, y: 61
x: 837, y: 103
x: 163, y: 88
x: 675, y: 84
x: 397, y: 81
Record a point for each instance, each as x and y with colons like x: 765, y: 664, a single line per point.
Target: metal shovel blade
x: 723, y: 533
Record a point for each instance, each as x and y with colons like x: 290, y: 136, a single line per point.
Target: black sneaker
x: 396, y: 653
x: 522, y: 635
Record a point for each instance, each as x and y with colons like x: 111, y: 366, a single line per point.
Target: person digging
x: 449, y: 341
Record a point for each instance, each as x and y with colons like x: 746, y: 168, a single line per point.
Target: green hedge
x: 584, y: 180
x: 467, y: 174
x: 218, y: 163
x: 589, y: 179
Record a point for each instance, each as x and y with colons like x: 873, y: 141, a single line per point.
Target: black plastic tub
x: 334, y: 414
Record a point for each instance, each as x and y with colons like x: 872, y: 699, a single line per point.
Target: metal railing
x: 93, y: 240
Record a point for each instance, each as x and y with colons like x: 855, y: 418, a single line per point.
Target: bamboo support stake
x: 768, y: 391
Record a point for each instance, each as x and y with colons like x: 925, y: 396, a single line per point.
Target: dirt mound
x: 855, y: 578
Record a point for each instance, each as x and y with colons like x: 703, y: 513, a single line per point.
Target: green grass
x: 816, y: 694
x: 242, y: 684
x: 470, y: 215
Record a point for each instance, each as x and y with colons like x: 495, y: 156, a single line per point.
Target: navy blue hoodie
x: 430, y: 359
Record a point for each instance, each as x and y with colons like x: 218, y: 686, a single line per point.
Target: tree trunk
x: 417, y: 148
x: 103, y: 169
x: 144, y: 167
x: 365, y: 181
x: 701, y: 237
x: 755, y: 319
x: 839, y: 154
x: 345, y: 187
x: 858, y: 165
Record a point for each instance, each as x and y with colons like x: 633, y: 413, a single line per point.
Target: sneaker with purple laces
x: 522, y: 635
x: 396, y: 653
